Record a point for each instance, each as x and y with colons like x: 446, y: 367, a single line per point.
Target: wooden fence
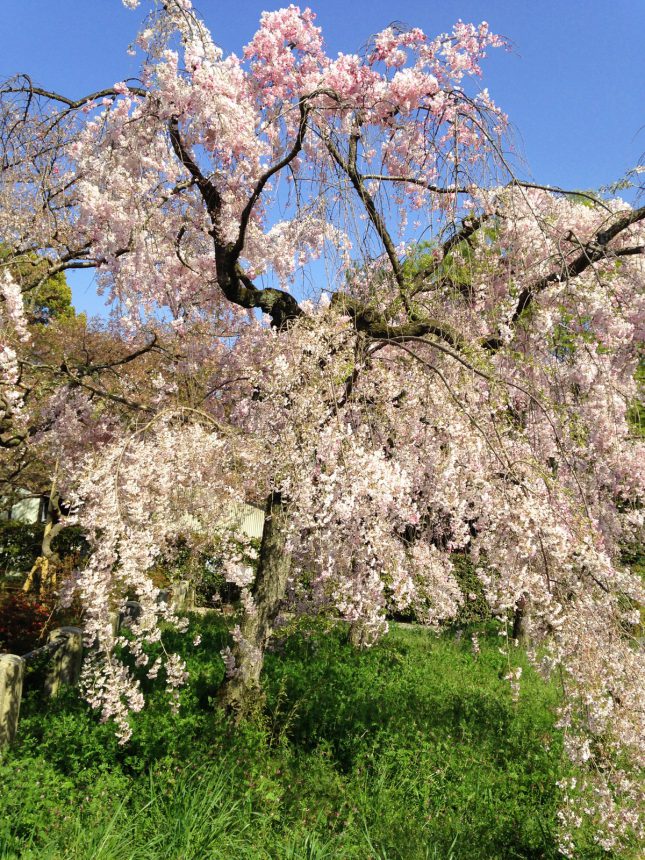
x: 65, y: 650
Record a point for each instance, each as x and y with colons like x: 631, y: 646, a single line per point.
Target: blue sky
x: 573, y: 84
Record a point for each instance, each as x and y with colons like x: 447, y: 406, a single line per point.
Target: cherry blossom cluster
x: 236, y: 117
x: 138, y: 496
x: 463, y: 395
x: 13, y: 334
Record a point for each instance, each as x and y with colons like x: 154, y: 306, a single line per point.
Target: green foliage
x: 71, y: 541
x: 203, y: 567
x: 19, y: 545
x: 412, y: 749
x: 475, y: 609
x: 583, y: 198
x: 33, y: 794
x: 472, y: 256
x: 633, y: 555
x: 51, y: 299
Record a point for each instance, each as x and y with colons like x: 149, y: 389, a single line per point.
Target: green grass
x: 413, y: 749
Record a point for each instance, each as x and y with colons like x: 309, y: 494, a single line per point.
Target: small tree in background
x: 45, y: 296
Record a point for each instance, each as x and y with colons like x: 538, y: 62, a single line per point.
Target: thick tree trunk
x: 519, y: 620
x: 242, y: 692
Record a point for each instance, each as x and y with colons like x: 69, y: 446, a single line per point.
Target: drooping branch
x: 350, y: 168
x: 45, y: 268
x: 73, y: 374
x: 303, y: 107
x: 506, y: 465
x: 468, y: 189
x: 414, y: 180
x: 30, y: 91
x: 592, y: 252
x: 119, y: 362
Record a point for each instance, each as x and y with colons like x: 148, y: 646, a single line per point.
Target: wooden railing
x: 65, y: 650
x: 65, y: 647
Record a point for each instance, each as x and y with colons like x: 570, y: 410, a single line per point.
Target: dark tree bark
x: 519, y: 620
x: 242, y: 692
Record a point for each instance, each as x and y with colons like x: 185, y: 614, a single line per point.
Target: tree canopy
x: 372, y: 326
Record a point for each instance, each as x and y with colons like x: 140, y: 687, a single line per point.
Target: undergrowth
x: 412, y: 749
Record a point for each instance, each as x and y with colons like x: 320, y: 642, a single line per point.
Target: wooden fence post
x: 65, y: 666
x: 130, y: 612
x: 12, y: 670
x: 183, y: 596
x: 115, y: 621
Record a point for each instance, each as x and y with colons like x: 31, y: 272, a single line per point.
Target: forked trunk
x: 43, y: 575
x: 242, y: 692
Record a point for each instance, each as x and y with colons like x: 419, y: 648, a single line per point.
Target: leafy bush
x: 19, y: 545
x: 475, y: 608
x: 71, y: 543
x: 23, y: 618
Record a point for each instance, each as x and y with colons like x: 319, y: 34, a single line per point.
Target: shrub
x: 19, y: 545
x: 23, y: 621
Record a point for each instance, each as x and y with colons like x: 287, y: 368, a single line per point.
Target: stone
x: 183, y: 596
x: 65, y: 665
x: 12, y: 670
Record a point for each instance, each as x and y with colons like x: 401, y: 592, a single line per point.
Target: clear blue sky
x: 573, y: 85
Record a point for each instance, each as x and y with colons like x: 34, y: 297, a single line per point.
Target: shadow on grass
x: 411, y: 750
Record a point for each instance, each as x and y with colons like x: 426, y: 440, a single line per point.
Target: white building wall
x: 24, y: 511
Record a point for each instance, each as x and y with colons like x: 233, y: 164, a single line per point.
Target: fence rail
x: 65, y: 645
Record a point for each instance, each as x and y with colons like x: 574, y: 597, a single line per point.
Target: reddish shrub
x: 22, y: 621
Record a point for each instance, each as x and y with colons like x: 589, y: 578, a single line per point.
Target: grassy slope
x: 413, y: 749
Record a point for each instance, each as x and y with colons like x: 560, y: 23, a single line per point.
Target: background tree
x: 44, y: 298
x: 414, y: 406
